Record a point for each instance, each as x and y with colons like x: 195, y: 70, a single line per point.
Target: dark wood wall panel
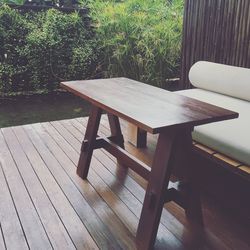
x: 217, y: 31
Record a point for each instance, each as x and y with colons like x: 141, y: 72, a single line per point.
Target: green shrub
x: 60, y: 49
x: 140, y: 39
x: 41, y: 49
x: 13, y: 30
x: 58, y: 3
x: 19, y: 2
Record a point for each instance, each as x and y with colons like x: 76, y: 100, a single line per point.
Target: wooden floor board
x: 97, y: 203
x: 126, y: 216
x: 71, y: 221
x: 218, y: 222
x: 11, y: 228
x: 45, y: 205
x: 191, y: 240
x: 67, y: 165
x: 87, y: 215
x: 34, y: 231
x: 56, y: 232
x: 127, y: 195
x: 2, y: 243
x: 121, y: 205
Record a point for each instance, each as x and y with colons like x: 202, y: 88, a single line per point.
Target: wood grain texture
x: 114, y: 194
x: 223, y: 161
x: 89, y: 137
x: 148, y: 107
x: 128, y: 214
x: 56, y: 232
x: 71, y: 221
x: 227, y: 160
x: 245, y: 169
x: 32, y: 226
x: 216, y: 31
x: 2, y: 243
x: 204, y: 148
x: 168, y: 115
x: 83, y: 213
x: 10, y: 225
x: 138, y: 137
x: 190, y: 239
x: 156, y: 188
x: 70, y: 158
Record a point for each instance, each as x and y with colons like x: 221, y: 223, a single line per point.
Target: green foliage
x: 140, y: 39
x: 13, y: 30
x: 18, y: 2
x: 38, y: 50
x: 59, y: 3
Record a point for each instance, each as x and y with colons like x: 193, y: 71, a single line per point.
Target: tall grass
x: 140, y: 39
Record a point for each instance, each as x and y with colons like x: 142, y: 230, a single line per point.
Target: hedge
x: 40, y: 49
x: 140, y: 39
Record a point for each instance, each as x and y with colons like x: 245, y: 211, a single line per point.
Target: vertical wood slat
x: 217, y: 31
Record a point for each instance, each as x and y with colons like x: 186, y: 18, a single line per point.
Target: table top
x: 150, y: 108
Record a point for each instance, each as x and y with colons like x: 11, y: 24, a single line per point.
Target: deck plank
x: 31, y: 223
x: 10, y: 225
x: 38, y: 164
x: 70, y: 169
x: 71, y: 221
x: 102, y: 209
x: 2, y: 243
x: 128, y: 218
x: 82, y: 209
x: 215, y: 221
x: 125, y: 215
x: 128, y: 199
x: 55, y: 229
x: 191, y: 238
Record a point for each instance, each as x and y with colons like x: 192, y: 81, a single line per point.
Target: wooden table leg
x: 154, y: 198
x: 116, y: 132
x: 89, y: 141
x: 193, y: 202
x: 137, y: 136
x: 115, y: 129
x: 173, y: 147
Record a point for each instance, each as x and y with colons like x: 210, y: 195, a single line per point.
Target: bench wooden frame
x: 138, y: 138
x: 230, y: 180
x: 233, y: 165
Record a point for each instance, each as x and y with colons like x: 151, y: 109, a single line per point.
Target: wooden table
x: 154, y: 110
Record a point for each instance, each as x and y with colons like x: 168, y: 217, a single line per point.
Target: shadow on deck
x: 45, y: 205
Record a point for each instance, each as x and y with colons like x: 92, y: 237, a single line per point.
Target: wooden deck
x: 45, y: 205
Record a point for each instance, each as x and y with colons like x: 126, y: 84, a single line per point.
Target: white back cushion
x: 221, y: 78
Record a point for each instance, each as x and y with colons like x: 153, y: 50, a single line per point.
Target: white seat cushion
x: 231, y: 137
